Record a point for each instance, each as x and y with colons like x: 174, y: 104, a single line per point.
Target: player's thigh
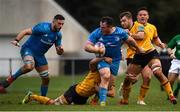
x: 134, y: 69
x: 28, y: 57
x: 154, y: 63
x: 146, y: 72
x: 40, y: 62
x: 104, y: 69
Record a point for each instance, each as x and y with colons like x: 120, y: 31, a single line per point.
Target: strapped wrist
x: 16, y: 40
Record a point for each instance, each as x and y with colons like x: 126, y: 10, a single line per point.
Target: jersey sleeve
x: 58, y: 40
x: 172, y: 43
x: 38, y: 29
x: 125, y: 36
x: 93, y: 36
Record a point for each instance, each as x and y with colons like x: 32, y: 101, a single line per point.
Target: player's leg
x: 132, y: 72
x: 146, y: 75
x: 155, y: 66
x: 41, y: 66
x: 61, y: 100
x: 174, y: 72
x: 44, y: 74
x: 94, y: 100
x: 172, y: 78
x: 176, y: 90
x: 34, y: 97
x: 27, y: 67
x: 105, y: 77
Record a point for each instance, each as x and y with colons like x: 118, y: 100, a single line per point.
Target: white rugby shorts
x: 175, y: 66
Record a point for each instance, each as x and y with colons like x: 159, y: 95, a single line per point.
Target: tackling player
x: 42, y: 37
x: 78, y: 93
x: 144, y: 35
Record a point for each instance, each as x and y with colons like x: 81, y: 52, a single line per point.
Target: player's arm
x: 170, y: 52
x: 24, y: 32
x: 89, y: 47
x: 158, y: 42
x: 138, y: 36
x: 93, y: 62
x: 171, y: 45
x: 58, y: 44
x: 130, y: 41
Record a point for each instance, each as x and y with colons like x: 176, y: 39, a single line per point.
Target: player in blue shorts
x: 42, y: 37
x: 112, y: 37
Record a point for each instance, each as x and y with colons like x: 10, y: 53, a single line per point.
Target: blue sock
x: 44, y: 90
x: 102, y: 94
x: 17, y: 74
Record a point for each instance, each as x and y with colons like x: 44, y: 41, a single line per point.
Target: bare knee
x: 28, y: 67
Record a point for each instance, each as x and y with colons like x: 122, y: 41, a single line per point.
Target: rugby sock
x: 167, y: 87
x: 40, y: 99
x: 44, y: 89
x: 102, y: 94
x: 143, y: 91
x: 126, y: 91
x: 17, y: 74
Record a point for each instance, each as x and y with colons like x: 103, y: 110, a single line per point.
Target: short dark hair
x: 108, y: 20
x: 142, y: 8
x: 59, y: 16
x: 128, y: 14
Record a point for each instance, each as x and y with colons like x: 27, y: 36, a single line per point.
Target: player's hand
x: 15, y: 42
x: 108, y: 59
x: 101, y: 50
x: 172, y: 56
x: 59, y: 50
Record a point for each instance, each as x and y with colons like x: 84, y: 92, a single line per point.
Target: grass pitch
x: 156, y: 99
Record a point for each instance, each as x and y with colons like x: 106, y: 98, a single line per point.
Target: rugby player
x: 42, y: 37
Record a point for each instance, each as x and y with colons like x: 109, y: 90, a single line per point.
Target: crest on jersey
x: 117, y: 38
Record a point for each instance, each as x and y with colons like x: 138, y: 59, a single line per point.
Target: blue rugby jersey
x: 112, y: 41
x: 43, y: 38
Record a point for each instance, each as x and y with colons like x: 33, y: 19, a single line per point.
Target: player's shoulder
x: 151, y: 25
x: 177, y: 37
x: 119, y: 30
x: 44, y: 23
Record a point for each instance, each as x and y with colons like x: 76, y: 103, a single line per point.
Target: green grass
x: 156, y: 99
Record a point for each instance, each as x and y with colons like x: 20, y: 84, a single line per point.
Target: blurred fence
x: 57, y: 66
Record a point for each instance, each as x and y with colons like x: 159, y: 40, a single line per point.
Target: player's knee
x: 132, y: 78
x: 156, y: 69
x: 28, y: 67
x: 106, y: 77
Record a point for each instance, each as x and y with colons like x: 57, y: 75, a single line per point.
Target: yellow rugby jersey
x: 150, y: 33
x: 86, y: 88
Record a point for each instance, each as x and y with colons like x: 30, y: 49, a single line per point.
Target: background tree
x: 163, y: 13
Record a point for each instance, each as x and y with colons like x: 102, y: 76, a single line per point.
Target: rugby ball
x: 100, y: 44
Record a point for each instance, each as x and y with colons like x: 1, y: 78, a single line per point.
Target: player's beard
x: 57, y: 29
